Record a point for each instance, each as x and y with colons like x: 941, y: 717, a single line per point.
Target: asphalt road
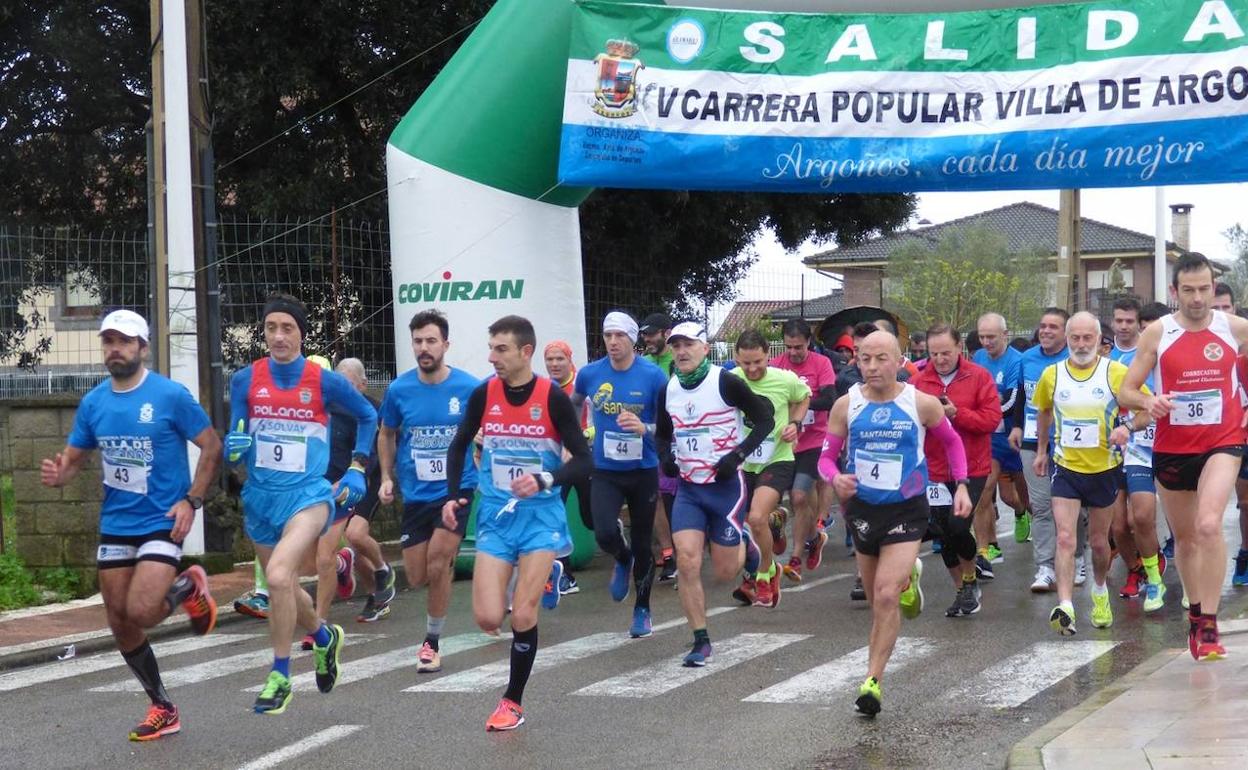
x: 779, y: 693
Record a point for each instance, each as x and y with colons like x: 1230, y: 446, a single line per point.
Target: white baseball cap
x: 689, y: 330
x: 125, y: 322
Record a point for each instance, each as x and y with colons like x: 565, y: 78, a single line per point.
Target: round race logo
x: 685, y: 41
x: 880, y: 417
x: 1213, y: 351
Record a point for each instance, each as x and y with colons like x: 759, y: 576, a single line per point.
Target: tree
x: 1238, y: 276
x: 967, y: 273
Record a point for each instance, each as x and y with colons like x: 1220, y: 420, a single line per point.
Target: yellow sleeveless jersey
x: 1085, y: 411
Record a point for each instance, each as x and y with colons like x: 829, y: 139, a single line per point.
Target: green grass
x: 8, y: 510
x: 17, y: 585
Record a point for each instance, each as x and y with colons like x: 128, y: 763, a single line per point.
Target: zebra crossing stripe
x: 1019, y: 678
x: 829, y: 683
x: 814, y: 583
x: 215, y: 669
x: 383, y: 663
x: 66, y: 669
x: 494, y: 675
x: 659, y: 678
x: 298, y: 748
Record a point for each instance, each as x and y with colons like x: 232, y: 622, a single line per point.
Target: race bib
x: 128, y: 478
x: 1081, y: 434
x: 878, y: 470
x: 808, y: 419
x: 1029, y: 428
x: 763, y: 454
x: 430, y: 466
x: 507, y: 469
x: 939, y: 494
x: 694, y: 444
x: 1144, y: 438
x: 621, y: 446
x: 1197, y: 408
x: 281, y: 452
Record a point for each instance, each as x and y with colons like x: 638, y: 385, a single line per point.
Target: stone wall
x: 55, y: 527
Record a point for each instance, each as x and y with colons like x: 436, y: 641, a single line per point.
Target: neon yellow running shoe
x: 1102, y: 615
x: 911, y: 599
x: 1154, y: 596
x: 1022, y: 526
x: 869, y: 697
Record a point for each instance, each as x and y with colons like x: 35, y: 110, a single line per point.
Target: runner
x: 769, y: 469
x: 280, y: 409
x: 702, y: 410
x: 1004, y: 364
x: 811, y: 498
x: 1151, y: 313
x: 1049, y: 350
x: 972, y: 403
x: 653, y: 332
x: 1080, y: 396
x: 559, y: 367
x: 883, y: 425
x: 623, y: 391
x: 1223, y: 297
x: 1200, y: 435
x: 140, y: 422
x: 526, y: 421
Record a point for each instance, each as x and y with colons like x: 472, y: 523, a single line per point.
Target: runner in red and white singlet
x: 1200, y: 434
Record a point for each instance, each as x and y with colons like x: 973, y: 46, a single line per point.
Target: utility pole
x: 1068, y: 227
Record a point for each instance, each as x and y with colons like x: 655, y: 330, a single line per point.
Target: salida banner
x: 1145, y: 92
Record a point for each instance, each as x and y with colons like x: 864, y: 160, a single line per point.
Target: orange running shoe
x: 1209, y: 644
x: 762, y: 592
x: 200, y: 606
x: 793, y: 570
x: 160, y: 721
x: 775, y: 589
x: 508, y: 716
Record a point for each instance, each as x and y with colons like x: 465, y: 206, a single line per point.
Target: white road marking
x: 1019, y: 678
x: 299, y: 748
x: 50, y: 672
x: 386, y: 662
x: 654, y: 680
x: 815, y: 583
x: 829, y: 683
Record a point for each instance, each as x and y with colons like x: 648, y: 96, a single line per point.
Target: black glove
x: 670, y: 467
x: 727, y: 465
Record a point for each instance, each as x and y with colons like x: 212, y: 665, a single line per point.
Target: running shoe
x: 387, y: 592
x: 1044, y: 582
x: 253, y: 604
x: 793, y: 570
x: 762, y: 592
x: 307, y: 643
x: 1022, y: 527
x: 775, y: 589
x: 327, y: 659
x: 699, y: 655
x: 937, y: 546
x: 428, y: 660
x: 1209, y: 646
x: 668, y: 573
x: 275, y: 696
x: 858, y: 593
x: 1081, y: 571
x: 1132, y: 587
x: 1154, y: 596
x: 641, y: 627
x: 1240, y: 576
x: 814, y: 550
x: 1102, y: 613
x: 200, y: 607
x: 346, y: 573
x: 567, y: 585
x: 550, y: 596
x: 746, y: 592
x: 966, y: 603
x: 507, y: 716
x: 372, y: 611
x: 160, y: 721
x: 911, y: 598
x: 1167, y: 550
x: 779, y: 543
x: 995, y: 555
x: 621, y: 576
x: 869, y: 697
x: 983, y: 568
x: 1061, y: 621
x: 1193, y: 629
x: 1187, y: 605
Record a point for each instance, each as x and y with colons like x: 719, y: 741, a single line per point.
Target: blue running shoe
x: 699, y: 655
x: 937, y: 545
x: 753, y: 556
x: 621, y: 576
x: 1168, y: 548
x: 550, y: 597
x: 1240, y: 576
x: 641, y: 627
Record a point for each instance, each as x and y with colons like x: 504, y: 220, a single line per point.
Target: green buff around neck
x: 694, y: 378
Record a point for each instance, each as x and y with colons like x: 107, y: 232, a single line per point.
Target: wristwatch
x: 963, y: 482
x: 196, y: 502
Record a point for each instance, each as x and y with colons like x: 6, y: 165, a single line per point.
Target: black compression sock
x: 182, y: 587
x: 432, y: 641
x: 700, y: 635
x: 523, y: 652
x: 142, y: 661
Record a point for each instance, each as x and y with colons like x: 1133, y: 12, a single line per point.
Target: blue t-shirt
x: 1005, y: 372
x: 1035, y: 361
x: 427, y: 418
x: 141, y: 435
x: 610, y: 392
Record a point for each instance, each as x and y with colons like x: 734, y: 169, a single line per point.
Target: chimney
x: 1181, y: 225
